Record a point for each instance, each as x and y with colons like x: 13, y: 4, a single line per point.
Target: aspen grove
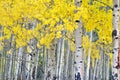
x: 59, y: 40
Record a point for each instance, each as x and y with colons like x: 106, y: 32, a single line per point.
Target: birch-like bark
x: 119, y: 57
x: 108, y: 68
x: 61, y: 62
x: 67, y: 61
x: 30, y: 66
x: 58, y: 57
x: 78, y: 62
x: 51, y: 72
x: 13, y: 57
x: 18, y: 63
x: 88, y: 60
x: 71, y: 67
x: 91, y: 72
x: 5, y: 65
x: 34, y: 56
x: 6, y: 48
x: 10, y: 67
x: 45, y: 53
x: 28, y: 58
x: 37, y: 60
x: 98, y: 69
x: 115, y: 34
x: 95, y: 70
x: 10, y: 59
x: 101, y: 65
x: 23, y: 67
x: 2, y: 59
x: 72, y: 71
x: 103, y: 68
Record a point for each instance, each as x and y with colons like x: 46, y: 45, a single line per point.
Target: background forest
x: 59, y: 40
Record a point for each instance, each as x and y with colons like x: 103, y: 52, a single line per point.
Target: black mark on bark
x: 77, y: 77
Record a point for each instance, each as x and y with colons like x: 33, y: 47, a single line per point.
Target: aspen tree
x: 78, y: 62
x: 51, y: 66
x: 115, y: 34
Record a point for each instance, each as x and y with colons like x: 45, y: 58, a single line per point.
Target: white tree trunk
x: 18, y: 63
x: 88, y: 60
x: 28, y: 58
x: 95, y: 70
x: 45, y: 53
x: 98, y: 69
x: 108, y: 68
x: 101, y: 65
x: 37, y: 60
x: 31, y: 55
x: 115, y: 39
x: 61, y: 61
x: 30, y: 65
x: 10, y: 67
x: 58, y: 57
x: 78, y: 62
x: 67, y: 61
x: 51, y: 72
x: 72, y: 72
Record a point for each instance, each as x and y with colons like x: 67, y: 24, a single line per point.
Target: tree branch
x: 104, y: 4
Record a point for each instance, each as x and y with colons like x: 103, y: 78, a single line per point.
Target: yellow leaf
x: 58, y: 34
x: 42, y: 41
